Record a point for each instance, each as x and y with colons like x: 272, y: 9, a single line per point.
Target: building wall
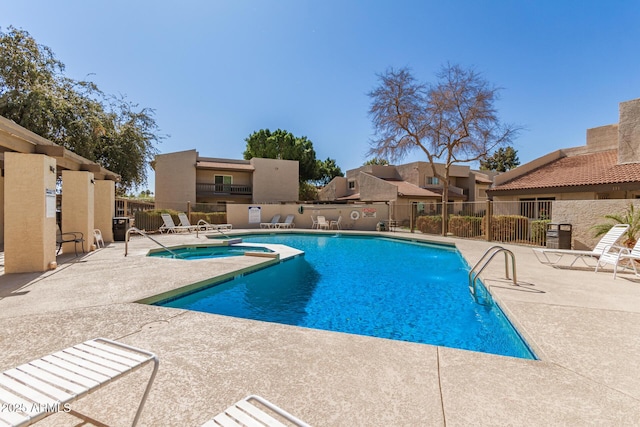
x: 175, y: 180
x: 629, y: 132
x: 584, y: 214
x: 206, y: 176
x: 369, y: 214
x: 376, y: 189
x: 602, y: 138
x: 275, y: 180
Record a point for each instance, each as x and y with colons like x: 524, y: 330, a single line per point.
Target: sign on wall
x: 255, y: 214
x: 369, y: 212
x: 50, y: 203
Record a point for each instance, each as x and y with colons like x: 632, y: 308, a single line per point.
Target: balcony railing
x: 222, y: 189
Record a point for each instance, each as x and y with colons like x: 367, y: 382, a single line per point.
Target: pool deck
x: 584, y: 326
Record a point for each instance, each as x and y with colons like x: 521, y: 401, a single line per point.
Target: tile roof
x: 574, y: 171
x: 407, y: 189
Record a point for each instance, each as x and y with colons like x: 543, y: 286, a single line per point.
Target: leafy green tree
x: 327, y: 170
x: 35, y: 93
x: 452, y: 121
x: 502, y: 160
x: 376, y: 161
x: 281, y: 144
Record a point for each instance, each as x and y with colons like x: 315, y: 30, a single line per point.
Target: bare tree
x: 452, y: 121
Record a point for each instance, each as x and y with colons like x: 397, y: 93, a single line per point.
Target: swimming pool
x: 204, y: 252
x: 379, y: 287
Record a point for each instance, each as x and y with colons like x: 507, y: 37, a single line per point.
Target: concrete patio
x: 584, y: 327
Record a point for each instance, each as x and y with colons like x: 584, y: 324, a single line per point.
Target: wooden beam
x: 51, y: 150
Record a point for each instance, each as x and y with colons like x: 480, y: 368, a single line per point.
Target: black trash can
x: 558, y: 236
x: 120, y: 227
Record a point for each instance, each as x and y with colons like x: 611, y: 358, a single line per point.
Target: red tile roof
x: 574, y: 171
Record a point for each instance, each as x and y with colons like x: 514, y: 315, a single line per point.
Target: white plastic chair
x: 97, y: 238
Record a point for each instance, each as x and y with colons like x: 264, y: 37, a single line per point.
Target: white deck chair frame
x: 272, y: 224
x: 32, y: 390
x: 245, y: 413
x: 553, y: 256
x: 288, y: 222
x: 204, y: 226
x: 618, y: 256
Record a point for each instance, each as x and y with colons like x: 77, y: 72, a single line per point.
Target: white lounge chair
x: 254, y: 411
x: 553, y: 256
x: 272, y: 224
x: 170, y: 227
x: 288, y: 222
x: 337, y: 224
x: 184, y: 221
x: 619, y: 256
x: 204, y: 225
x: 314, y: 222
x: 323, y: 223
x: 37, y: 389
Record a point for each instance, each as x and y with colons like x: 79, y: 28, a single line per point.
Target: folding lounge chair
x: 39, y: 388
x: 619, y: 256
x: 254, y: 411
x: 170, y: 227
x: 272, y: 224
x: 288, y: 222
x: 553, y: 256
x: 204, y: 226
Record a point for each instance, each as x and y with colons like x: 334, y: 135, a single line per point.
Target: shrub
x: 508, y: 228
x: 539, y: 231
x: 465, y: 226
x: 429, y: 224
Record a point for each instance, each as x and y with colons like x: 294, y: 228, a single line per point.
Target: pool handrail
x: 143, y: 233
x: 491, y: 252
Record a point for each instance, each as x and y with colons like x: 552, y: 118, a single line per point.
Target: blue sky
x: 216, y: 71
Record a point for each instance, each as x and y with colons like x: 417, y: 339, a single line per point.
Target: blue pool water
x: 199, y: 252
x: 379, y: 287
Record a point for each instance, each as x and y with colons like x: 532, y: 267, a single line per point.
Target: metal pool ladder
x: 484, y: 260
x: 142, y: 233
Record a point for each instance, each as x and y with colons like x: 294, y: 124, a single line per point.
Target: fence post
x: 489, y: 219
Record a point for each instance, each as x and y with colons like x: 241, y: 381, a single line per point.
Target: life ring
x: 355, y: 215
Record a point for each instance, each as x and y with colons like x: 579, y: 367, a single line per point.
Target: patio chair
x: 34, y: 390
x: 619, y: 256
x: 97, y: 238
x: 272, y: 224
x: 288, y: 222
x: 74, y: 237
x: 314, y: 222
x: 184, y: 221
x: 204, y: 225
x: 170, y: 227
x: 553, y: 256
x: 254, y: 411
x: 323, y: 223
x: 337, y: 224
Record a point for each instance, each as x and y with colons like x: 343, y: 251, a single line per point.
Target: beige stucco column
x: 104, y: 208
x: 29, y: 212
x: 78, y: 206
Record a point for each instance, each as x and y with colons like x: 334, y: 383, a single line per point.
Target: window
x: 352, y: 185
x: 433, y: 180
x: 223, y: 182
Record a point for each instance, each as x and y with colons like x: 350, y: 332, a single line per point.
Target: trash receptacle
x: 558, y: 236
x: 120, y: 227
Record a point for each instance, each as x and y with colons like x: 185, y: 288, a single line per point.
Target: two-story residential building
x: 404, y: 185
x: 184, y: 176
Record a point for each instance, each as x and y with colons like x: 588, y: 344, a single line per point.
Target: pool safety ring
x: 355, y: 215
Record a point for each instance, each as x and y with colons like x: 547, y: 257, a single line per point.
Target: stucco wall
x: 369, y: 214
x: 584, y: 214
x: 275, y: 180
x: 629, y: 132
x: 175, y: 180
x: 375, y: 189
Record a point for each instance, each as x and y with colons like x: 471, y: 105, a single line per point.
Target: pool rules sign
x: 255, y: 214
